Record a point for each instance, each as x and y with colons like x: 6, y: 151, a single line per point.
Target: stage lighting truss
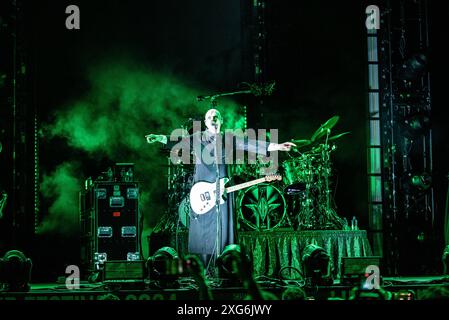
x: 400, y: 129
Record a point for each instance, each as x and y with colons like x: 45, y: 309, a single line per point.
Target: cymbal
x: 338, y: 136
x: 301, y: 143
x: 322, y: 130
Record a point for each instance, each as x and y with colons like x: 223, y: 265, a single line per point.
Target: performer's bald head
x: 213, y: 120
x: 211, y: 113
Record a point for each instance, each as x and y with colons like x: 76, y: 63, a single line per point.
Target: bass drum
x: 300, y: 172
x: 261, y: 207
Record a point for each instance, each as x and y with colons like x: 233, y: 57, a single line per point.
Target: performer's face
x: 213, y: 120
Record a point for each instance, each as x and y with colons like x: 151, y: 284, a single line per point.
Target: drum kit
x: 303, y: 201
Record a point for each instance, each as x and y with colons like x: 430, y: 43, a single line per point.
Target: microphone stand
x: 217, y: 200
x: 214, y: 96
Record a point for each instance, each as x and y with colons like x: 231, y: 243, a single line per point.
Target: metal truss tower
x: 402, y: 211
x: 19, y: 124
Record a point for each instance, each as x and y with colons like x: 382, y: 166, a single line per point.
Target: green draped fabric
x: 272, y: 251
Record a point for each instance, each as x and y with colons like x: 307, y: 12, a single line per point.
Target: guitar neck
x: 245, y: 185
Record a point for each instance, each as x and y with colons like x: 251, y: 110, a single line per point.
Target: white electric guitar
x: 202, y: 194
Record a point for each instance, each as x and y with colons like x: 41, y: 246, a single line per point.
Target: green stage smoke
x: 123, y: 104
x: 62, y: 186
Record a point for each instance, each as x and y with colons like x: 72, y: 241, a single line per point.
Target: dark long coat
x: 203, y: 233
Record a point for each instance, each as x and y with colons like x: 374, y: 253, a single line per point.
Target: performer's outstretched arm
x: 260, y: 146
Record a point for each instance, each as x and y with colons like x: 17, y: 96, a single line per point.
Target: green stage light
x: 15, y: 271
x: 316, y: 265
x: 416, y: 124
x: 446, y: 260
x: 165, y: 266
x: 416, y: 182
x: 228, y: 261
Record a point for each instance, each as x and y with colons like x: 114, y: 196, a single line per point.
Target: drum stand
x: 330, y: 219
x: 306, y: 215
x: 316, y: 211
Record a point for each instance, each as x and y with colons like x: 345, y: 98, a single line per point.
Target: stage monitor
x: 353, y: 269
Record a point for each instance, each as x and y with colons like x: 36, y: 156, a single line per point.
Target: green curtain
x: 270, y: 252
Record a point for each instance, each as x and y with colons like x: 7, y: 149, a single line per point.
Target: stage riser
x: 219, y: 294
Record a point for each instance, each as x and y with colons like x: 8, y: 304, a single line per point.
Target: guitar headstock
x: 273, y: 177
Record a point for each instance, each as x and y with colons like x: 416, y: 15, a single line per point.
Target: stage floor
x: 100, y: 291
